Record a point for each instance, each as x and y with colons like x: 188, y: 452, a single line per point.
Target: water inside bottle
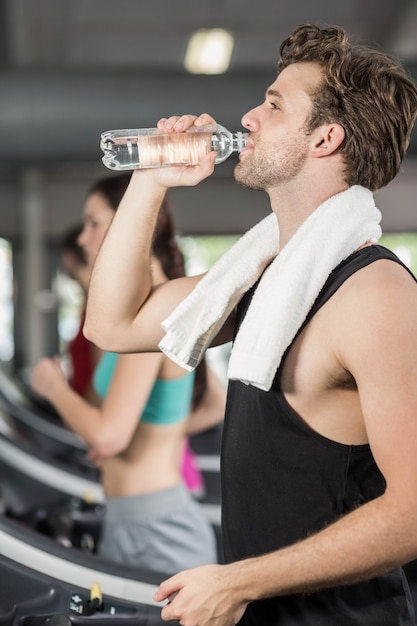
x: 173, y: 149
x: 156, y: 150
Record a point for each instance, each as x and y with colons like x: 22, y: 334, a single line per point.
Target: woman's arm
x: 109, y: 428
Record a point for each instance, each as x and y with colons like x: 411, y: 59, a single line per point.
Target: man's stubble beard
x: 261, y: 171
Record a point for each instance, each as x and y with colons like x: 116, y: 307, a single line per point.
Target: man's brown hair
x: 366, y: 91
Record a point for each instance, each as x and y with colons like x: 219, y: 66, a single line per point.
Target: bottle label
x: 173, y: 149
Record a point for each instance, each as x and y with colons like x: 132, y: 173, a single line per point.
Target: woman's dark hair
x: 165, y: 244
x: 165, y: 247
x: 112, y: 188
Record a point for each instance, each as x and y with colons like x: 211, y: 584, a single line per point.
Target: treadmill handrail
x: 69, y: 571
x: 68, y: 482
x: 43, y: 426
x: 50, y: 474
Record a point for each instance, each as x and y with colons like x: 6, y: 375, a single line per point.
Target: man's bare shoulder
x: 361, y: 340
x: 380, y: 283
x: 375, y: 310
x: 372, y: 314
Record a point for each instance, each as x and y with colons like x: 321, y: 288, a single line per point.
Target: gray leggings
x: 164, y: 531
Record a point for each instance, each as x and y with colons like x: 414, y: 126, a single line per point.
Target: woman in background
x: 83, y: 354
x: 137, y: 436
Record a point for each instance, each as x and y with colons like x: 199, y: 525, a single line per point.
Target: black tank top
x: 282, y: 481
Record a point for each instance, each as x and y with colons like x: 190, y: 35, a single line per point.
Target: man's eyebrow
x: 275, y: 93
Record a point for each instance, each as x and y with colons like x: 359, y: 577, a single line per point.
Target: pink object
x: 191, y: 473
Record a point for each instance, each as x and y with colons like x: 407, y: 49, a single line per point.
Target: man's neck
x: 293, y: 206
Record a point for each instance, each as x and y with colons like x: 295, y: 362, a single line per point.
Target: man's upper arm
x: 144, y: 332
x: 380, y: 350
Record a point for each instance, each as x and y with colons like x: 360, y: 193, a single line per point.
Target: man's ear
x: 327, y: 139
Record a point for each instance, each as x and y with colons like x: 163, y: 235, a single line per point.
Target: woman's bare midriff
x: 150, y: 463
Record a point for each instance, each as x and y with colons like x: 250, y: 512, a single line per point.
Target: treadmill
x: 47, y: 481
x: 45, y: 584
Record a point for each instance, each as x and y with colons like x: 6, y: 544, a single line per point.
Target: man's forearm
x: 372, y: 540
x: 121, y: 277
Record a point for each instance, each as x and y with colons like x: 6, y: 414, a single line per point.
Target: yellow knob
x: 95, y: 592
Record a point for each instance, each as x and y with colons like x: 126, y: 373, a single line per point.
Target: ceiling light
x: 209, y: 51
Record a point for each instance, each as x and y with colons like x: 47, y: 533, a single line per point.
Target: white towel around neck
x: 285, y: 294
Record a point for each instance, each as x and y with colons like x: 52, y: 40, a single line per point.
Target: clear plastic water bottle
x: 131, y: 149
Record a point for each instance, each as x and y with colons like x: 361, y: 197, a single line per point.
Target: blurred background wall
x: 70, y: 70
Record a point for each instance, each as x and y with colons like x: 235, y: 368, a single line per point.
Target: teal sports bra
x: 169, y: 401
